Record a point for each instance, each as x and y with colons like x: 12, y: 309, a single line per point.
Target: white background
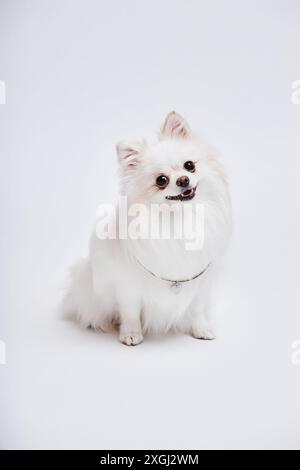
x: 79, y: 76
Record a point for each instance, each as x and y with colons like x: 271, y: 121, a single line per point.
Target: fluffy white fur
x: 110, y: 288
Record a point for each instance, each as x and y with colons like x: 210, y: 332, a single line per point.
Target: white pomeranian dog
x: 153, y: 284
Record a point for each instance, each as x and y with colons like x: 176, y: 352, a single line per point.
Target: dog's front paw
x: 131, y: 339
x: 206, y: 333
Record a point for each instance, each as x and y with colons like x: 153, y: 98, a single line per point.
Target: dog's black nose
x: 183, y: 181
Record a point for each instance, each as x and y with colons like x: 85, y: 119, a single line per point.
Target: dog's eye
x: 189, y: 166
x: 162, y: 181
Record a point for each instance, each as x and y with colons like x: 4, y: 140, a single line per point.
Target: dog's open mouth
x: 184, y: 196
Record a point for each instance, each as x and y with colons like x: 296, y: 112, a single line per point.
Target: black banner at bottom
x: 103, y: 458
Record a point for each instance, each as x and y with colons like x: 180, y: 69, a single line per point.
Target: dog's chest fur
x: 164, y: 305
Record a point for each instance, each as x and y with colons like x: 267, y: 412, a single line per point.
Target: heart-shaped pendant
x: 176, y: 287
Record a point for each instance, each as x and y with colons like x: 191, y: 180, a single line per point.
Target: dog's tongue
x: 187, y: 192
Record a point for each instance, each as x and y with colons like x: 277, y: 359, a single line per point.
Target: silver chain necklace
x: 175, y: 285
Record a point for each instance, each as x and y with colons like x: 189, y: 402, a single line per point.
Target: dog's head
x: 177, y: 168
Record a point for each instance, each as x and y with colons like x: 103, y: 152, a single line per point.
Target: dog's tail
x: 78, y: 302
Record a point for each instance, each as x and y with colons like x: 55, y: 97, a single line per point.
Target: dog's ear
x: 175, y: 126
x: 130, y: 153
